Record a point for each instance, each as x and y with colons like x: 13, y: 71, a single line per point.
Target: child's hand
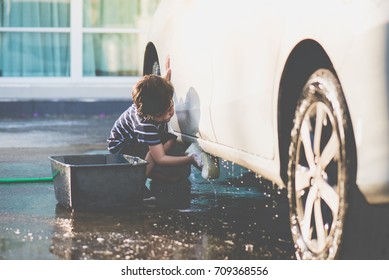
x: 196, y: 160
x: 168, y: 71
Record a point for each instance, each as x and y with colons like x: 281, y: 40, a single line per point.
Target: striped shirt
x: 130, y: 129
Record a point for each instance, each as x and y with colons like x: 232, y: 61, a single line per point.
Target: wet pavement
x: 238, y: 216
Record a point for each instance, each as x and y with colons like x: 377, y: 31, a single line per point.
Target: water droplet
x: 249, y: 247
x: 229, y: 242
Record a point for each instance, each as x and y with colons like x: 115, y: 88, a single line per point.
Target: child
x: 142, y: 130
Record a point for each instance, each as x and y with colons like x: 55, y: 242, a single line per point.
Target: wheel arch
x: 306, y: 57
x: 150, y: 56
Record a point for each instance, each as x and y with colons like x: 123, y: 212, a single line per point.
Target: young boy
x: 142, y: 130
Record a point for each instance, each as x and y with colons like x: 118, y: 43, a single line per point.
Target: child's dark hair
x: 152, y: 96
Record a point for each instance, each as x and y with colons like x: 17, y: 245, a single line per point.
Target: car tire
x: 319, y: 168
x: 366, y: 230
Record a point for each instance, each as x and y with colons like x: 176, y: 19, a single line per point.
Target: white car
x: 296, y: 91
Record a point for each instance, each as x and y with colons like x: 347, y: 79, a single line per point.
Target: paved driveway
x: 237, y: 216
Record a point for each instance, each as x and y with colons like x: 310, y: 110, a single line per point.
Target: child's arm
x: 161, y: 158
x: 168, y: 144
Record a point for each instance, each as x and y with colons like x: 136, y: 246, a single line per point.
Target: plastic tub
x: 98, y: 182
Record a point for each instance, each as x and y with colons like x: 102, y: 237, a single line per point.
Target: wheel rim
x: 317, y: 174
x: 156, y: 70
x: 316, y: 181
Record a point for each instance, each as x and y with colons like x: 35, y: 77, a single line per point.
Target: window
x: 74, y: 39
x: 35, y: 38
x: 111, y: 30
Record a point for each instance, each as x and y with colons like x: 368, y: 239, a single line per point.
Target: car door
x: 190, y: 50
x: 245, y: 48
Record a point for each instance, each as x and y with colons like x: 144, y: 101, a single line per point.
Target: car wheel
x: 318, y: 170
x: 156, y: 69
x: 153, y: 68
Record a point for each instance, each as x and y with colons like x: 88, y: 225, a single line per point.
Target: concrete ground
x: 28, y: 209
x: 234, y: 217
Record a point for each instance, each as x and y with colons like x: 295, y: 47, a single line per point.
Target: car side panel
x: 365, y: 81
x: 244, y: 58
x: 180, y: 32
x: 228, y: 67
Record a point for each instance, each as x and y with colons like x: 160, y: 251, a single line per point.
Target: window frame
x: 76, y: 32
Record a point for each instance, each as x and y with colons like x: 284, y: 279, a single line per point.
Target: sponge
x: 208, y: 164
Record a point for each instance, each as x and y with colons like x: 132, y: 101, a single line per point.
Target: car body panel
x: 192, y: 74
x: 228, y: 59
x: 243, y: 84
x: 364, y: 78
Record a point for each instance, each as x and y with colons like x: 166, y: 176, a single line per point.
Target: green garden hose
x: 25, y: 180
